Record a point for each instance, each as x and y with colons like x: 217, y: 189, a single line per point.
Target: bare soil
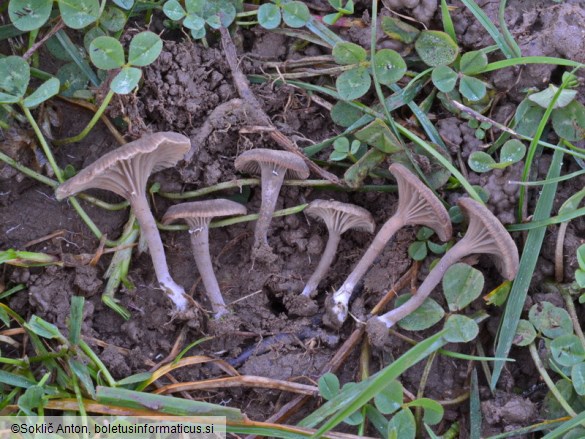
x: 270, y: 333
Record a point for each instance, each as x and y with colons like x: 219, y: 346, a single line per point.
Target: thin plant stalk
x: 573, y: 313
x: 238, y: 219
x: 91, y: 123
x: 549, y: 382
x: 238, y: 183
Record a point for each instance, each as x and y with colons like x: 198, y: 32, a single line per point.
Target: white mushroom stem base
x: 338, y: 306
x: 377, y: 324
x: 150, y: 233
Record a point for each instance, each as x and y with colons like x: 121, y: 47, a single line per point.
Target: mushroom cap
x: 420, y: 204
x: 340, y: 217
x: 252, y: 161
x: 202, y: 211
x: 489, y: 236
x: 126, y: 169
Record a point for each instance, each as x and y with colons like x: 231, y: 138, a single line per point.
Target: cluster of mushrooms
x: 125, y: 171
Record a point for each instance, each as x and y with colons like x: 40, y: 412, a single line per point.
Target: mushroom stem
x: 455, y: 254
x: 343, y: 294
x: 324, y: 264
x: 272, y: 178
x: 200, y: 246
x: 149, y: 230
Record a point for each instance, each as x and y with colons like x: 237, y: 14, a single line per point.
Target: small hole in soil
x: 556, y: 77
x: 275, y: 299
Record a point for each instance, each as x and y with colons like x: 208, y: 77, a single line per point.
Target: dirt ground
x: 266, y: 335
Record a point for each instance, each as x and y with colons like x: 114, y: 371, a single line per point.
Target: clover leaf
x: 27, y: 15
x: 107, y: 54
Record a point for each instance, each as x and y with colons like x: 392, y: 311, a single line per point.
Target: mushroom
x: 272, y: 165
x: 198, y: 215
x: 338, y: 217
x: 125, y: 171
x: 417, y: 205
x: 485, y: 234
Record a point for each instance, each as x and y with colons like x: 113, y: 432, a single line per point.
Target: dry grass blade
x: 240, y: 381
x: 189, y: 361
x: 103, y: 409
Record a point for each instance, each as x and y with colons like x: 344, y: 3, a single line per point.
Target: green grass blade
x: 15, y: 380
x: 75, y: 319
x: 567, y: 216
x: 525, y: 431
x: 528, y: 260
x: 348, y: 402
x: 474, y: 408
x: 490, y: 28
x: 323, y: 31
x: 165, y: 404
x: 73, y: 52
x: 424, y: 121
x: 505, y: 31
x: 447, y: 21
x: 532, y: 149
x: 566, y: 426
x: 529, y: 60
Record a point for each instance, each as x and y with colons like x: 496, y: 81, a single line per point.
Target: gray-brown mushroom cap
x: 125, y: 172
x: 341, y: 216
x: 423, y: 207
x: 489, y: 236
x: 202, y: 211
x: 126, y: 169
x: 252, y: 161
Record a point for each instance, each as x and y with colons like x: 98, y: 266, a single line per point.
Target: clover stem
x: 43, y: 143
x: 272, y: 179
x: 91, y: 123
x: 324, y: 264
x: 456, y: 253
x: 343, y: 294
x: 200, y: 247
x: 149, y: 231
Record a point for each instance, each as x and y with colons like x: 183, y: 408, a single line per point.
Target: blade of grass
x: 505, y: 31
x: 75, y: 319
x: 522, y: 201
x: 322, y: 31
x: 474, y: 408
x: 73, y: 52
x: 347, y: 402
x: 164, y: 404
x: 566, y: 426
x: 447, y: 22
x: 524, y: 431
x: 496, y: 65
x: 528, y: 260
x: 237, y: 426
x: 490, y: 27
